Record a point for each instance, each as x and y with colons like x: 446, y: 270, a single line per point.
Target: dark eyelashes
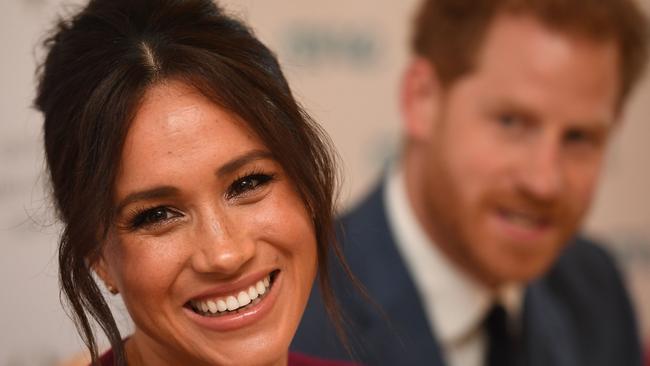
x: 241, y: 187
x: 248, y: 183
x: 151, y: 216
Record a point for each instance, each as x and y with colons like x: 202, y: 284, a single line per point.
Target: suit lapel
x: 550, y: 340
x: 389, y: 283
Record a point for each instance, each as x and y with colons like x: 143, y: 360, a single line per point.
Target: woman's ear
x: 420, y: 99
x: 100, y: 267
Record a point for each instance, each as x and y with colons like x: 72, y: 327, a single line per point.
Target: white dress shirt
x: 454, y: 303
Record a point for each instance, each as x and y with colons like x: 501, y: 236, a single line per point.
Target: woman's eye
x: 153, y: 216
x: 249, y: 183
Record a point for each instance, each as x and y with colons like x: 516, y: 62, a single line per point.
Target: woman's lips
x: 232, y: 302
x: 242, y: 307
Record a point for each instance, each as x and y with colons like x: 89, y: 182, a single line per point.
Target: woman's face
x: 213, y: 250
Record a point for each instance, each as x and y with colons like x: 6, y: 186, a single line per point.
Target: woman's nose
x: 221, y: 247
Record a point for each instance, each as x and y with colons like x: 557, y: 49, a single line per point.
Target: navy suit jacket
x: 577, y: 314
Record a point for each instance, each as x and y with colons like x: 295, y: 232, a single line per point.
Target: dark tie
x: 502, y: 348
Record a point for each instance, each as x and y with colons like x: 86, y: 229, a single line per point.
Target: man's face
x: 514, y: 152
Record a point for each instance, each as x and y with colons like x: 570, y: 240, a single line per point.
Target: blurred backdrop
x: 344, y: 61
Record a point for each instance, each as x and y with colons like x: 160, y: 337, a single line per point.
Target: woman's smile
x: 236, y: 309
x: 226, y: 304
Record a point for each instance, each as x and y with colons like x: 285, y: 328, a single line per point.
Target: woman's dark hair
x: 100, y: 63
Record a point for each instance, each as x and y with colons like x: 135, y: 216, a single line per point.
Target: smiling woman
x: 188, y: 179
x: 212, y: 245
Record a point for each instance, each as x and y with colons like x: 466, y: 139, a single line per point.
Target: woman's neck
x: 137, y: 352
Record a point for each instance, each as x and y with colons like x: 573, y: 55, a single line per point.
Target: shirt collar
x: 455, y: 304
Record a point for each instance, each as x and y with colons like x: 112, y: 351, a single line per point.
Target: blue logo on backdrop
x: 315, y: 45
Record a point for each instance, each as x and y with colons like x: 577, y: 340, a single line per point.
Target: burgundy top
x: 295, y: 359
x: 299, y: 359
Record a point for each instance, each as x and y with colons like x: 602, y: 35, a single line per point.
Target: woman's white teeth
x: 243, y: 299
x: 233, y: 302
x: 212, y: 306
x: 260, y: 287
x: 253, y: 293
x: 221, y: 306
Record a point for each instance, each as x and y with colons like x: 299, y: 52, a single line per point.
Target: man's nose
x: 541, y: 175
x: 221, y: 246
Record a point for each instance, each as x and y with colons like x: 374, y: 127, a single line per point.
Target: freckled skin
x: 180, y: 139
x: 525, y: 131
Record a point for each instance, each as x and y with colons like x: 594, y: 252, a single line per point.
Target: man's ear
x: 420, y: 99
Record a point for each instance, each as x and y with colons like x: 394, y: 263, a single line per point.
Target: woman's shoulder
x: 107, y: 358
x: 83, y: 359
x: 299, y: 359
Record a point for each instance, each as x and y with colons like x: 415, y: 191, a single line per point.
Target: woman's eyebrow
x: 170, y: 191
x: 241, y: 160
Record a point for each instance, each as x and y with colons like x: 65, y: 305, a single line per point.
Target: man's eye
x: 577, y: 136
x: 153, y: 216
x: 510, y: 121
x: 249, y: 183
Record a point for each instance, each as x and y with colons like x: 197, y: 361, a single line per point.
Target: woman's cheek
x: 150, y: 263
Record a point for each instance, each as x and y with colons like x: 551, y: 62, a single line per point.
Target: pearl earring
x: 112, y: 289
